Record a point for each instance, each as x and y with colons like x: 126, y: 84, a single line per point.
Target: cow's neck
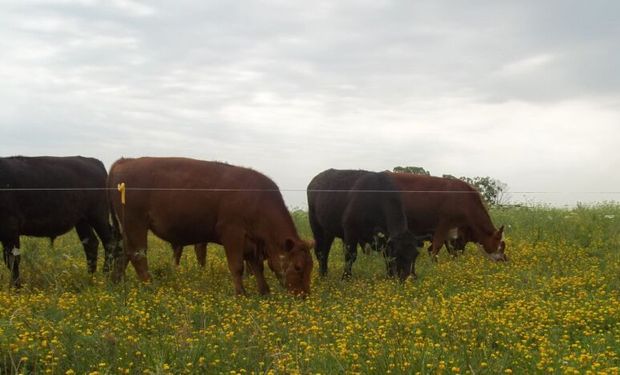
x: 396, y: 223
x: 275, y: 227
x: 481, y: 224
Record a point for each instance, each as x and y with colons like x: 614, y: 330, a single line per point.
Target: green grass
x: 554, y: 308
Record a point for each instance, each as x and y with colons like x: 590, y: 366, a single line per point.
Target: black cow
x: 46, y: 197
x: 354, y: 205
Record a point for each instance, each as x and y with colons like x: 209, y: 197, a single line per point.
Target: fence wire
x: 296, y: 190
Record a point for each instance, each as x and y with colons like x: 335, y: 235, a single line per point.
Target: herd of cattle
x: 187, y: 201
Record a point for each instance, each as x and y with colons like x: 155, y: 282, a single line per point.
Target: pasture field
x: 553, y: 308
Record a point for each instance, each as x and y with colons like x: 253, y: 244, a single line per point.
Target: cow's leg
x: 439, y: 238
x: 350, y: 254
x: 201, y: 253
x: 12, y: 258
x: 111, y: 244
x: 322, y: 241
x: 90, y: 243
x: 445, y: 243
x: 380, y: 243
x: 119, y: 266
x: 451, y: 249
x: 234, y: 242
x: 390, y: 262
x: 257, y: 249
x: 257, y: 268
x: 177, y: 251
x: 322, y: 245
x: 135, y: 251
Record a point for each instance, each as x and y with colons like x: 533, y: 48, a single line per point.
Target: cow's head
x: 402, y: 252
x: 295, y: 266
x: 495, y: 247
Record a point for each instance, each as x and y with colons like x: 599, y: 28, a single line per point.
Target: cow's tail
x: 116, y: 226
x: 117, y: 230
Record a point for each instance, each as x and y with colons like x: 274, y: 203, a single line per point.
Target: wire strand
x: 300, y: 190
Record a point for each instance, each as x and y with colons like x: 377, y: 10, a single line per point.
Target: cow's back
x: 186, y: 201
x: 374, y: 204
x: 428, y: 200
x: 48, y: 195
x: 328, y: 195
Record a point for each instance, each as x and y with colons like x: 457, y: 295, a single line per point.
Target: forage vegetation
x: 553, y: 308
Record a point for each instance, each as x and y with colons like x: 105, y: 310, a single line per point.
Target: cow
x: 47, y: 196
x: 439, y: 205
x: 187, y: 201
x: 200, y: 249
x: 355, y: 205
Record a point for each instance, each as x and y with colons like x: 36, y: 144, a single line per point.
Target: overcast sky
x: 524, y: 91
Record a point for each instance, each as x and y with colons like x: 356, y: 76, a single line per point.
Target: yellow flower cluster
x: 554, y: 308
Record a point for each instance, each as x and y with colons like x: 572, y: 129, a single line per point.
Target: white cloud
x: 527, y: 65
x: 291, y: 89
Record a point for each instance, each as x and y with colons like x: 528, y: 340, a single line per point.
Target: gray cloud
x: 524, y: 91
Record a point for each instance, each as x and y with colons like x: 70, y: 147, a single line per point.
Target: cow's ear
x: 289, y: 244
x: 310, y: 244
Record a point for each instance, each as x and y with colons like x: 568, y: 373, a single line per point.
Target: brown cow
x: 188, y: 201
x: 438, y: 205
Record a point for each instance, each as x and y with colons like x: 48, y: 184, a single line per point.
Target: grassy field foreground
x: 554, y: 308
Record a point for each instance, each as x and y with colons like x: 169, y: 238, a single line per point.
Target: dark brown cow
x: 187, y: 201
x: 48, y: 196
x: 438, y: 205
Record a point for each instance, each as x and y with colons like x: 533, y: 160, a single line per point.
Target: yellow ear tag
x: 121, y: 188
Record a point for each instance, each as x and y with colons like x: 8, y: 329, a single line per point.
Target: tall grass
x: 553, y: 308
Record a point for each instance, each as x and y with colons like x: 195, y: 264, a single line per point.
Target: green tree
x: 412, y: 169
x: 493, y: 191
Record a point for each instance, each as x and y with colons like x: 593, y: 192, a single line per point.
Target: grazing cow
x: 48, y: 196
x: 187, y: 201
x: 354, y: 206
x: 438, y: 205
x: 200, y: 249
